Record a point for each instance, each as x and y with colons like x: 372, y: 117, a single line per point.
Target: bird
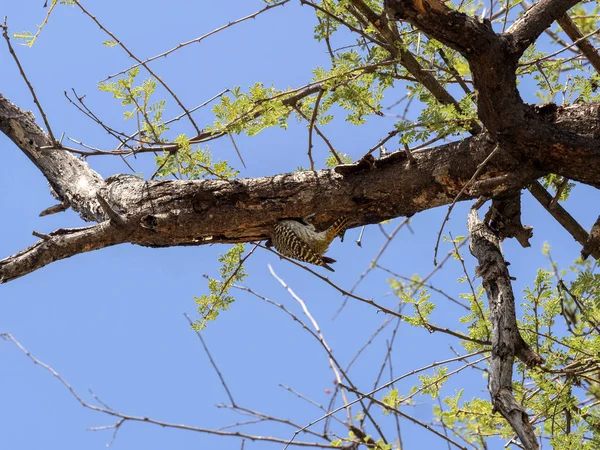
x: 300, y: 240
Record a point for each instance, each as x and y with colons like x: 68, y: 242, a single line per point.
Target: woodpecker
x: 303, y: 242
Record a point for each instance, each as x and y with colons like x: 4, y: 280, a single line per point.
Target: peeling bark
x: 504, y: 217
x: 506, y: 339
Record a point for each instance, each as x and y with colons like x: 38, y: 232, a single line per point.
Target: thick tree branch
x: 535, y: 20
x: 171, y: 213
x: 455, y: 29
x: 506, y: 339
x: 493, y: 61
x: 397, y: 48
x: 72, y: 181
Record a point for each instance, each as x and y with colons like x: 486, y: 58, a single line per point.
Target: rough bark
x: 530, y: 134
x: 506, y: 339
x: 71, y: 179
x: 493, y: 61
x: 169, y: 213
x: 532, y: 142
x: 504, y: 217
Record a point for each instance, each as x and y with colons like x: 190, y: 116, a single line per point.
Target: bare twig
x: 480, y: 167
x: 374, y: 391
x: 551, y: 55
x: 431, y: 328
x: 311, y: 126
x: 143, y: 419
x: 212, y: 361
x: 412, y: 419
x: 331, y: 149
x: 237, y: 150
x: 321, y: 338
x: 35, y: 99
x: 374, y: 262
x: 584, y: 45
x: 142, y: 63
x: 60, y: 207
x: 199, y: 39
x: 323, y: 344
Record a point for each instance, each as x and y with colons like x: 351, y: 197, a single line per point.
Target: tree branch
x: 583, y: 44
x: 61, y: 244
x: 535, y: 20
x: 172, y: 213
x: 562, y: 217
x: 71, y: 179
x: 506, y: 339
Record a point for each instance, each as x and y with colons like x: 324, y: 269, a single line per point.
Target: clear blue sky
x: 112, y: 321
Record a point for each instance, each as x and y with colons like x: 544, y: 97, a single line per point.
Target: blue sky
x: 112, y: 321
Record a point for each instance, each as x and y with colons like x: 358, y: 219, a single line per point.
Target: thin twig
x: 454, y: 72
x: 311, y: 126
x: 198, y: 39
x: 559, y: 192
x: 561, y: 215
x: 176, y: 118
x: 143, y: 419
x: 343, y: 22
x: 412, y: 419
x: 225, y: 284
x: 391, y: 367
x: 480, y: 167
x: 331, y: 149
x: 360, y: 236
x: 424, y: 284
x: 237, y: 150
x: 212, y: 361
x: 335, y: 370
x: 586, y: 47
x: 142, y: 63
x: 390, y: 135
x: 575, y: 42
x: 431, y: 328
x: 316, y: 336
x: 374, y: 391
x: 35, y: 99
x: 263, y: 418
x: 374, y: 262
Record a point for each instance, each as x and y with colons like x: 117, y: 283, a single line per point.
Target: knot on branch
x: 365, y: 163
x: 115, y: 218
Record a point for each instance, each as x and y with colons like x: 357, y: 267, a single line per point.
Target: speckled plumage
x: 301, y: 241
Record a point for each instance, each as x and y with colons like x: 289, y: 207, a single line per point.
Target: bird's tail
x: 326, y: 260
